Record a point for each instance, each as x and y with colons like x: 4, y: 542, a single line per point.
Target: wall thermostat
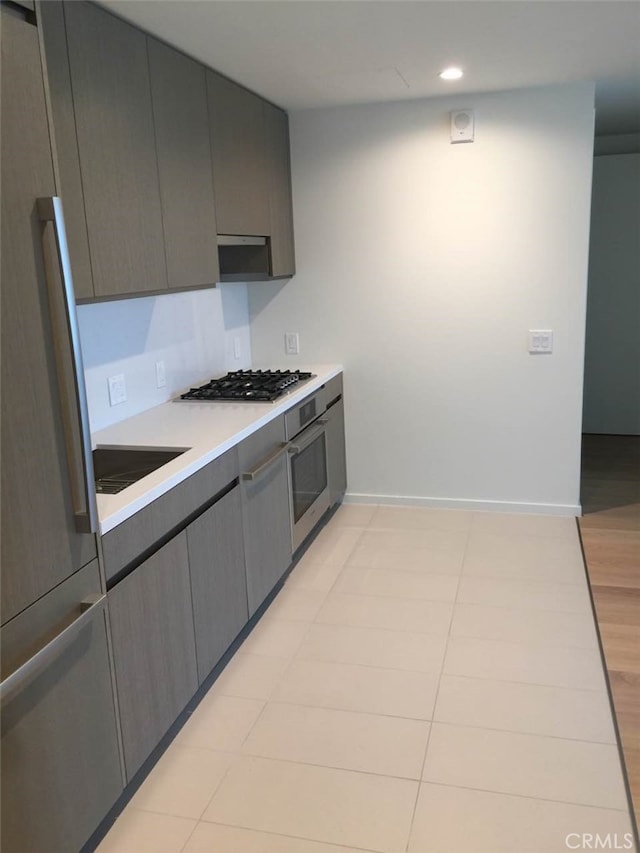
x: 462, y: 125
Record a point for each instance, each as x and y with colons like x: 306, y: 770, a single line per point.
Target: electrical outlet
x: 117, y: 389
x: 540, y: 340
x: 292, y: 343
x: 161, y: 376
x: 237, y: 350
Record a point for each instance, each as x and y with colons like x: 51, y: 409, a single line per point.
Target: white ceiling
x: 313, y: 53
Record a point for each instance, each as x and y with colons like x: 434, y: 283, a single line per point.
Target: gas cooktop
x: 250, y: 386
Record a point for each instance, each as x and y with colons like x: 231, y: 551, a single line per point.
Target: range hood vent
x: 244, y: 257
x: 240, y: 240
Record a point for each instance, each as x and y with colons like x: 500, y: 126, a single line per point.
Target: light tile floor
x: 426, y: 681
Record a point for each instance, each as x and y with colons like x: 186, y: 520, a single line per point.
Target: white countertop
x: 206, y: 429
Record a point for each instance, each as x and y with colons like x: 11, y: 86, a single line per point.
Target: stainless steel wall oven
x: 308, y: 471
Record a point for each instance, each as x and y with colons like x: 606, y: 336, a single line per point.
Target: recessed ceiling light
x: 451, y: 74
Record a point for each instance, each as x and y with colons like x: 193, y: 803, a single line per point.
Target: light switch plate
x: 161, y: 375
x: 117, y: 389
x: 540, y: 340
x: 291, y: 343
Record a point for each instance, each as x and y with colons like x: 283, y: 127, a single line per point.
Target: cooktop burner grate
x: 250, y: 386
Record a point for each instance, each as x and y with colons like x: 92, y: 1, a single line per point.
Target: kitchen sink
x: 115, y: 468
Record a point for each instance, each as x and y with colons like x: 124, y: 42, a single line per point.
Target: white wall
x: 612, y: 360
x: 192, y: 332
x: 421, y: 266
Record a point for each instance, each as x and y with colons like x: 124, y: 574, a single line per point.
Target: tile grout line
x: 293, y: 837
x: 435, y: 703
x: 622, y: 811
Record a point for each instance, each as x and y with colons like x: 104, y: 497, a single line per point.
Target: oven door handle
x: 266, y: 463
x: 309, y: 436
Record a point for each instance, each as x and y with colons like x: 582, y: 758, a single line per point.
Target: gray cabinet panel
x: 238, y: 147
x: 280, y: 203
x: 153, y: 649
x: 265, y: 512
x: 333, y: 389
x: 336, y: 456
x: 51, y: 22
x: 40, y: 546
x: 218, y: 580
x: 122, y: 545
x: 114, y: 121
x: 60, y: 761
x: 179, y: 94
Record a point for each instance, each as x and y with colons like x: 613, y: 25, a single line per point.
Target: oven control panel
x: 304, y: 413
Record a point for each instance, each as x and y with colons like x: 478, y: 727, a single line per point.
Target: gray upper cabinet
x: 180, y: 115
x: 238, y: 147
x: 68, y: 179
x: 280, y: 204
x: 265, y: 510
x: 116, y: 140
x: 153, y: 648
x: 158, y: 154
x: 218, y: 581
x: 251, y: 170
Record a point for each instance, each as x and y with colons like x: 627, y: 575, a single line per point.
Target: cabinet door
x: 280, y: 204
x: 179, y: 94
x: 336, y: 456
x: 265, y: 510
x: 238, y: 147
x: 60, y: 759
x: 153, y: 648
x: 114, y: 122
x: 218, y: 580
x: 68, y: 179
x: 40, y: 545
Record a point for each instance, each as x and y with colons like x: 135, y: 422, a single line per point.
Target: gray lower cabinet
x: 218, y: 580
x: 61, y: 769
x: 123, y: 546
x: 153, y: 648
x: 265, y: 510
x: 336, y: 455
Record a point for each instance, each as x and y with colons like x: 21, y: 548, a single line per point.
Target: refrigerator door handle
x: 71, y: 374
x: 25, y: 674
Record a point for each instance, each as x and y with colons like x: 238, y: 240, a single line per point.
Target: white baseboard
x: 477, y: 505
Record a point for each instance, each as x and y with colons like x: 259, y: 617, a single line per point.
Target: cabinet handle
x: 266, y: 463
x: 309, y: 436
x: 68, y: 355
x: 25, y: 674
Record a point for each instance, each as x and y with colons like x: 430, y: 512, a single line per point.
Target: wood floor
x: 610, y: 530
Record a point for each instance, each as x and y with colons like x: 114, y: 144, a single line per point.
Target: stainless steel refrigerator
x: 61, y: 768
